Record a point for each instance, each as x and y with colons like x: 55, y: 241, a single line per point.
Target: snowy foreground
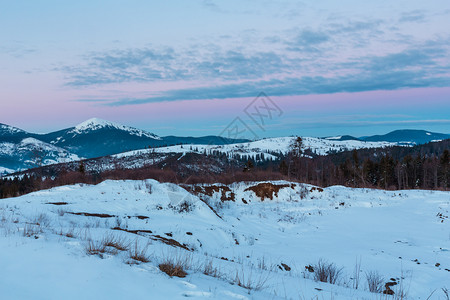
x: 60, y: 243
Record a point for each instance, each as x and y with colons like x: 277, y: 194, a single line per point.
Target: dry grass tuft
x: 176, y: 264
x: 374, y: 281
x: 139, y: 253
x: 117, y: 242
x: 42, y: 220
x: 111, y: 244
x: 95, y: 248
x: 210, y: 270
x: 32, y: 230
x: 250, y: 282
x: 173, y: 269
x: 327, y: 272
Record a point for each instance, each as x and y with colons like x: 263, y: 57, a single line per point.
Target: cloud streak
x: 149, y: 65
x: 418, y: 16
x: 337, y: 57
x: 294, y: 86
x: 411, y: 68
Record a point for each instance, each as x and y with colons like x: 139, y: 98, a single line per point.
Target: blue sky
x: 191, y: 67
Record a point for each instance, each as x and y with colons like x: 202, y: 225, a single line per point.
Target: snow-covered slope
x: 269, y: 147
x: 30, y: 153
x: 260, y: 235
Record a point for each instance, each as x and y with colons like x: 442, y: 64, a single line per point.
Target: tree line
x: 419, y: 167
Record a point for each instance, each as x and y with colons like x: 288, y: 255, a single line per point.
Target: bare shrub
x: 183, y: 207
x: 139, y: 253
x: 118, y: 221
x: 8, y: 228
x: 374, y: 281
x: 31, y: 230
x: 262, y: 264
x: 69, y: 234
x: 401, y: 291
x: 250, y: 282
x: 138, y: 187
x: 110, y: 243
x: 327, y: 272
x: 303, y: 192
x: 176, y: 265
x: 117, y: 242
x: 42, y: 220
x: 211, y: 270
x: 149, y: 187
x: 95, y: 248
x: 3, y: 218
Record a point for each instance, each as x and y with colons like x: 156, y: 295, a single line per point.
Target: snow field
x: 52, y: 242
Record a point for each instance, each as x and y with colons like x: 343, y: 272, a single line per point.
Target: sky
x: 320, y: 68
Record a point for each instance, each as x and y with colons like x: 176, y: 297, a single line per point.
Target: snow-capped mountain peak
x: 96, y: 124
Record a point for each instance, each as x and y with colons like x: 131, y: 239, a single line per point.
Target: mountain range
x: 93, y: 138
x: 404, y: 136
x: 21, y: 150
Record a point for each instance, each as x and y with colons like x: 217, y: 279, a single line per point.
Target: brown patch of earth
x: 266, y: 190
x: 92, y: 215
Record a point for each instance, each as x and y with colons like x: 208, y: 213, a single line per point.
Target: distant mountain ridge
x: 96, y: 138
x: 92, y: 138
x: 408, y: 136
x: 30, y: 153
x: 403, y: 136
x: 342, y: 138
